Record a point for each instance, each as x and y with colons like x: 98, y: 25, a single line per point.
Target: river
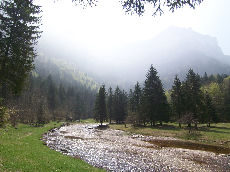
x: 117, y: 150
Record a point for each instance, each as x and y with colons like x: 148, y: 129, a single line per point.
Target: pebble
x: 116, y: 150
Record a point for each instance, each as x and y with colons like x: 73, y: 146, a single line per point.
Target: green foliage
x: 120, y: 101
x: 41, y: 114
x: 19, y: 31
x: 110, y: 104
x: 177, y: 98
x: 226, y: 91
x: 4, y: 115
x: 134, y: 111
x: 100, y: 106
x: 192, y: 94
x: 210, y: 111
x: 153, y: 102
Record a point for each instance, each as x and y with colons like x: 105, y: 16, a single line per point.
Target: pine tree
x: 119, y: 105
x: 205, y: 79
x: 177, y: 99
x: 19, y: 32
x: 131, y: 105
x: 192, y: 95
x: 136, y: 101
x: 154, y: 102
x: 100, y: 105
x: 210, y: 112
x: 110, y: 104
x: 137, y: 97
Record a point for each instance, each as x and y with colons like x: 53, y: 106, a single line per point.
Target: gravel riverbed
x: 117, y: 150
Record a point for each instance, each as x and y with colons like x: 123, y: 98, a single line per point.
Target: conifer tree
x: 110, y: 104
x: 205, y: 79
x: 137, y: 97
x: 100, y: 105
x: 192, y: 95
x: 210, y: 112
x: 19, y: 31
x: 177, y: 99
x: 154, y: 103
x: 119, y: 105
x: 131, y: 101
x: 136, y: 101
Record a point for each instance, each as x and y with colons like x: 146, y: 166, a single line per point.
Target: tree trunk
x: 189, y: 127
x: 196, y: 126
x: 179, y: 125
x: 161, y: 123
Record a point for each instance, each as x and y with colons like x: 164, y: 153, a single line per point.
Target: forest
x: 196, y: 100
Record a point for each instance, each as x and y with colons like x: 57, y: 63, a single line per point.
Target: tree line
x: 45, y: 100
x: 197, y: 99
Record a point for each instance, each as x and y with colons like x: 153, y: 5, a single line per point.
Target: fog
x: 112, y: 46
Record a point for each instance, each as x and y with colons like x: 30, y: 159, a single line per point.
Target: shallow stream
x: 117, y: 150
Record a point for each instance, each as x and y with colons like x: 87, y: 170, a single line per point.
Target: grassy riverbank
x: 22, y: 150
x: 218, y: 134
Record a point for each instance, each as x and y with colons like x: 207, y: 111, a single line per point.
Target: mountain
x: 171, y: 52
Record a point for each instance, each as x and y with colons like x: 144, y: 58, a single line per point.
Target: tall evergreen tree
x: 131, y: 105
x: 137, y: 97
x: 154, y: 102
x: 19, y: 31
x: 192, y: 94
x: 177, y: 99
x: 210, y: 112
x: 100, y: 105
x: 119, y: 105
x: 135, y: 101
x: 110, y: 104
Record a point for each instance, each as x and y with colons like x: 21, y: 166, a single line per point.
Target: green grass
x: 22, y: 150
x: 89, y: 120
x: 218, y: 134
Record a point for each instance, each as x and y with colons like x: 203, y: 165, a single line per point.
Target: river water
x: 117, y: 150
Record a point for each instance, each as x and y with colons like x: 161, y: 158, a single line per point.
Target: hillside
x: 63, y: 71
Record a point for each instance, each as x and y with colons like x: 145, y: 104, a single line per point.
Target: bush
x: 4, y: 115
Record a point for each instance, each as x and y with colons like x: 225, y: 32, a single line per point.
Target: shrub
x: 4, y: 115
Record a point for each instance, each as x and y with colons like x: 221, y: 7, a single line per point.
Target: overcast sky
x: 106, y: 27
